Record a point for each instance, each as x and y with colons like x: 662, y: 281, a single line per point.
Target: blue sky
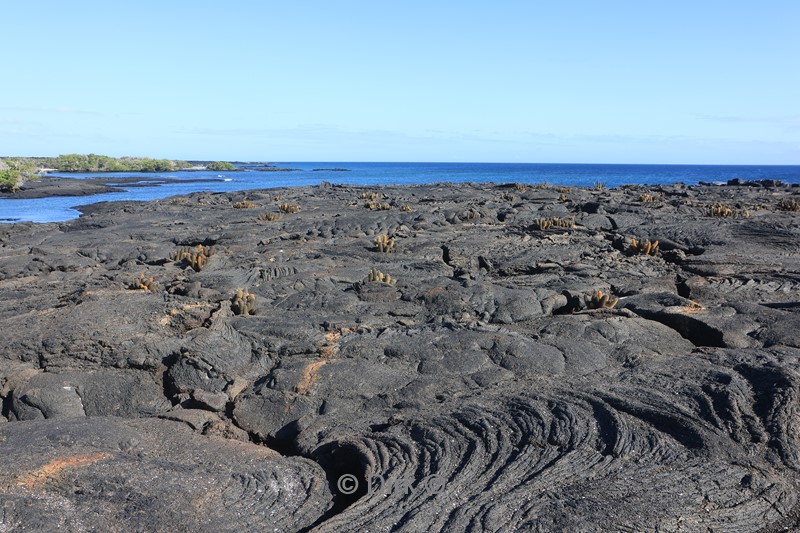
x: 707, y: 82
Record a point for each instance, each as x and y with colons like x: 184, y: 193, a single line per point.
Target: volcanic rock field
x: 448, y: 357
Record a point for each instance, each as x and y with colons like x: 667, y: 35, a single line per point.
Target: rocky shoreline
x: 48, y: 186
x: 448, y: 357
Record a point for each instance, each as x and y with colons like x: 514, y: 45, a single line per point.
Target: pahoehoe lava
x: 191, y: 364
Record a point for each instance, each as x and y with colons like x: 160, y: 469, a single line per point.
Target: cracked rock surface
x: 472, y: 379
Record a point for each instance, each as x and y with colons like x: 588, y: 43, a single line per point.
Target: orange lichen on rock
x: 56, y: 466
x: 331, y: 345
x: 310, y: 377
x: 688, y: 309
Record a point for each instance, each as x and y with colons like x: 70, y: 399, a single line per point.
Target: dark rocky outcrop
x: 472, y: 386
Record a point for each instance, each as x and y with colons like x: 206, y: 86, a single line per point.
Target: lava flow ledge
x: 507, y: 358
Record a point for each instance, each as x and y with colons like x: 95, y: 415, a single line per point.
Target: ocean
x: 57, y: 209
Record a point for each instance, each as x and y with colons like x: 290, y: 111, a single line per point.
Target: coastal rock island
x: 447, y: 357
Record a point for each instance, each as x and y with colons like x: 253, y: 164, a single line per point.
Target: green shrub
x: 104, y: 163
x: 13, y: 173
x: 220, y: 166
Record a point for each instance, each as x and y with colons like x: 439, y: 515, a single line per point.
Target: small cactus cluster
x: 377, y: 206
x: 543, y: 223
x: 554, y: 222
x: 599, y: 185
x: 196, y: 257
x: 521, y: 187
x: 541, y: 186
x: 277, y: 198
x: 643, y: 248
x: 563, y: 198
x: 789, y: 204
x: 598, y: 300
x: 647, y: 198
x: 508, y: 197
x: 243, y: 303
x: 405, y: 207
x: 289, y: 208
x: 376, y: 276
x: 243, y: 204
x: 384, y: 244
x: 724, y: 211
x: 269, y: 217
x: 568, y: 223
x: 719, y: 210
x: 369, y: 195
x: 145, y: 284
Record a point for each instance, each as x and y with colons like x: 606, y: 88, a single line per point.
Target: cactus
x: 789, y: 204
x: 196, y: 257
x: 568, y: 223
x: 377, y: 206
x: 384, y: 244
x: 521, y: 187
x: 563, y: 198
x: 145, y: 284
x: 554, y: 222
x: 289, y: 208
x: 405, y: 207
x: 598, y: 300
x: 243, y: 303
x: 647, y: 198
x: 508, y: 197
x: 599, y: 185
x: 376, y: 276
x: 643, y: 248
x: 269, y: 217
x: 243, y: 204
x: 541, y: 186
x: 722, y: 210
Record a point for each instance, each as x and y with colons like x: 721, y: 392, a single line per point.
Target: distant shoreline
x: 55, y: 197
x: 54, y: 186
x: 51, y: 186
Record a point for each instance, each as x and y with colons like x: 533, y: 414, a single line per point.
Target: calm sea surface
x: 63, y: 208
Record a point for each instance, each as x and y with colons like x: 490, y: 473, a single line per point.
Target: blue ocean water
x: 58, y: 209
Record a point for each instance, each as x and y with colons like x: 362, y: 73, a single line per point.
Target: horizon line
x: 423, y: 162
